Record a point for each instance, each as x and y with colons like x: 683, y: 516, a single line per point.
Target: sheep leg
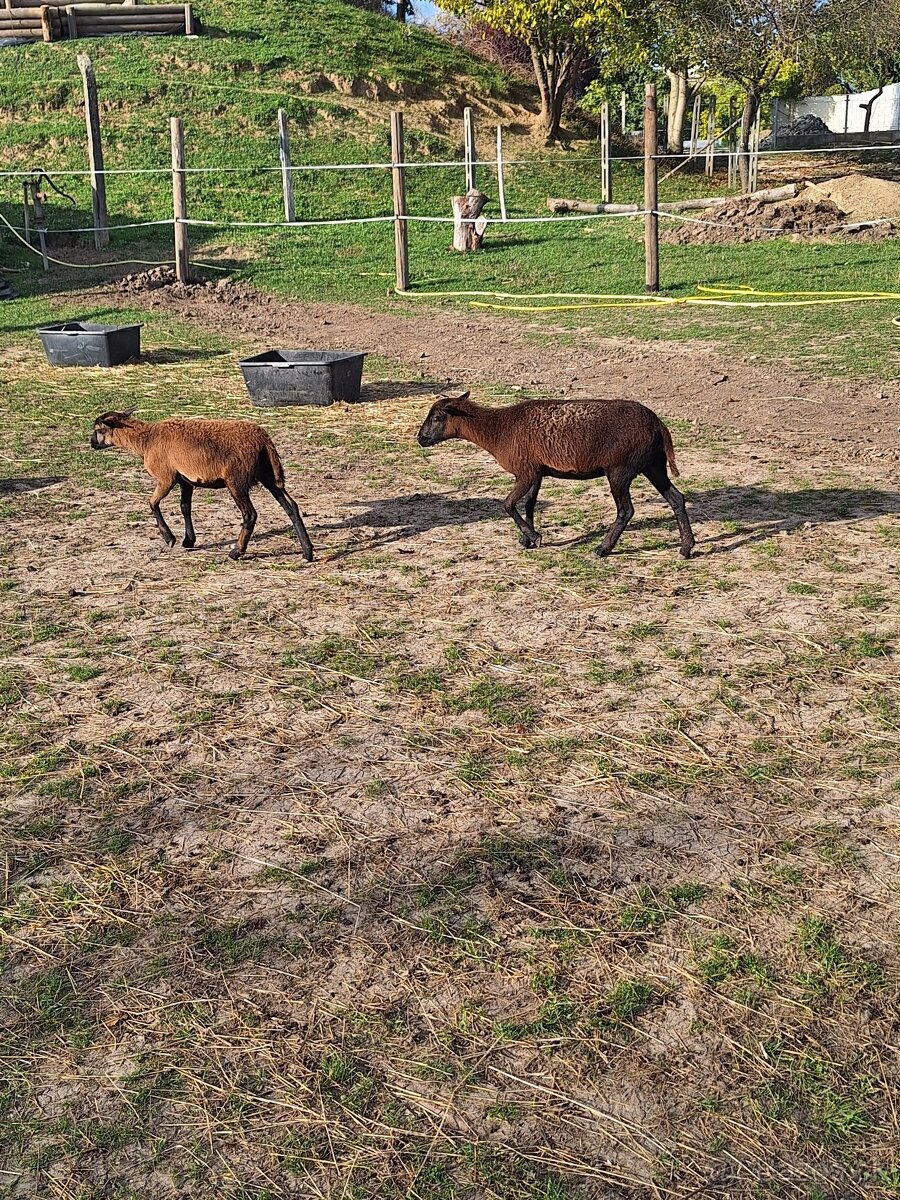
x: 529, y: 503
x: 620, y: 486
x: 524, y: 485
x: 289, y: 504
x: 187, y: 495
x: 659, y: 477
x: 248, y: 513
x: 162, y: 490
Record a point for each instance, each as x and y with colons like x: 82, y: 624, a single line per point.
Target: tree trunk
x: 469, y: 225
x: 553, y: 72
x: 402, y: 10
x: 868, y: 106
x: 751, y: 107
x: 675, y: 109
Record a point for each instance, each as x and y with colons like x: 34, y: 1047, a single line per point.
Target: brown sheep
x: 236, y: 455
x: 567, y: 439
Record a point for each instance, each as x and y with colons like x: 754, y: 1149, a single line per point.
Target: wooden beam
x: 95, y: 152
x: 469, y: 144
x: 287, y: 178
x: 605, y: 139
x: 501, y: 183
x: 651, y: 192
x: 401, y: 240
x: 179, y: 202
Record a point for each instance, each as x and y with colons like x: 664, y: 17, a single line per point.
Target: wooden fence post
x: 711, y: 137
x: 624, y: 110
x: 401, y: 240
x: 26, y: 218
x: 95, y: 153
x: 179, y: 203
x: 605, y: 173
x: 46, y: 24
x: 501, y: 184
x: 190, y: 25
x: 754, y: 150
x: 651, y: 192
x: 732, y: 143
x: 469, y: 144
x: 287, y: 178
x: 695, y: 125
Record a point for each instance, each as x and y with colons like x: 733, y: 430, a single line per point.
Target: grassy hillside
x: 337, y: 71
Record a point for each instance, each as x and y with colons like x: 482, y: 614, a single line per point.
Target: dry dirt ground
x: 437, y: 868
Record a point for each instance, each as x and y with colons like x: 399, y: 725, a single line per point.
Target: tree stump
x: 468, y: 224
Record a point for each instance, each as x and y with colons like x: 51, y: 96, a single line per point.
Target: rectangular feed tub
x: 81, y: 344
x: 280, y: 377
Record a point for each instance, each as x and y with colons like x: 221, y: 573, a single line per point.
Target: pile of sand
x: 860, y: 197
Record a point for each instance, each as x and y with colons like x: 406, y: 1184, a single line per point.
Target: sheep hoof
x: 604, y: 551
x: 235, y: 554
x: 528, y: 543
x: 189, y: 543
x: 686, y: 551
x: 170, y: 541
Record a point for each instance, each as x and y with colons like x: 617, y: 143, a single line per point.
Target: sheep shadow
x: 16, y: 487
x: 758, y: 512
x: 389, y: 389
x: 399, y: 517
x: 763, y: 512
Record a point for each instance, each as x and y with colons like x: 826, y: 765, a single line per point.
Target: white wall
x: 842, y: 114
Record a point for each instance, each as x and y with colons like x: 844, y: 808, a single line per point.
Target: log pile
x: 54, y: 20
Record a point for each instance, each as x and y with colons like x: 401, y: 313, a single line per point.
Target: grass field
x: 437, y: 869
x: 434, y: 869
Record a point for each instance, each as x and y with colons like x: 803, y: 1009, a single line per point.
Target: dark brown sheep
x: 236, y: 455
x: 567, y: 439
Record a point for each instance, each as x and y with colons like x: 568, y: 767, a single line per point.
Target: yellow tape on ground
x: 708, y: 296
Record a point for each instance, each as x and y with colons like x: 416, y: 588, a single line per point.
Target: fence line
x: 454, y: 164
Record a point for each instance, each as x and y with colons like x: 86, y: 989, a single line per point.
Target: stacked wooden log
x: 53, y: 20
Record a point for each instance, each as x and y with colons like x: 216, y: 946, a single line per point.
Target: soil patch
x: 859, y: 197
x: 694, y: 381
x: 819, y: 211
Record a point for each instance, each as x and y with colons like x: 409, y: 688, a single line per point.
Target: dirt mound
x: 164, y: 277
x: 861, y: 197
x: 147, y: 281
x: 746, y: 219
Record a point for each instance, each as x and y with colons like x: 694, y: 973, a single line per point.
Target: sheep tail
x: 670, y: 452
x: 275, y: 463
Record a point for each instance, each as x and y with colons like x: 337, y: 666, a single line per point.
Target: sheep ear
x: 450, y: 397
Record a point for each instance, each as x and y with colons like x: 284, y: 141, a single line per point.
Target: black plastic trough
x: 280, y: 377
x: 80, y: 344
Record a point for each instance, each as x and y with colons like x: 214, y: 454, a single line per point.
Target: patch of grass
x: 652, y: 909
x: 52, y: 1006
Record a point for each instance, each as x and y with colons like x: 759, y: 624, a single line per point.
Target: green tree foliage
x: 559, y: 35
x: 860, y: 46
x: 751, y: 43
